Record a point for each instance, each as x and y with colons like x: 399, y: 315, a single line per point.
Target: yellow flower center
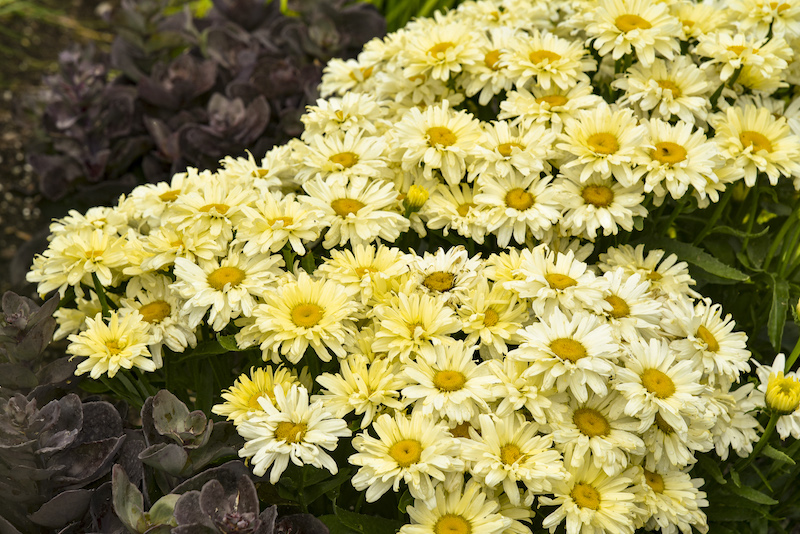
x: 224, y: 276
x: 537, y: 56
x: 654, y: 480
x: 222, y: 209
x: 553, y: 100
x: 440, y: 281
x: 491, y: 59
x: 591, y: 422
x: 658, y: 383
x: 490, y: 317
x: 654, y: 276
x: 463, y: 209
x: 619, y: 308
x: 253, y: 402
x: 510, y: 453
x: 585, y: 496
x: 361, y: 271
x: 449, y: 380
x: 461, y: 430
x: 737, y: 49
x: 285, y: 221
x: 345, y: 159
x: 568, y: 349
x: 260, y: 173
x: 628, y: 23
x: 756, y: 140
x: 441, y: 136
x: 452, y: 524
x: 170, y: 195
x: 290, y: 432
x: 366, y: 72
x: 406, y: 452
x: 440, y: 48
x: 603, y: 143
x: 669, y: 153
x: 93, y: 255
x: 114, y: 347
x: 663, y: 426
x: 560, y: 281
x: 506, y: 149
x: 708, y: 338
x: 345, y: 206
x: 780, y: 8
x: 155, y: 312
x: 307, y: 314
x: 599, y: 196
x: 672, y: 86
x: 519, y: 199
x: 783, y: 393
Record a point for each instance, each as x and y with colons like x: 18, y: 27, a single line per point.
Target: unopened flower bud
x: 783, y: 393
x: 415, y: 199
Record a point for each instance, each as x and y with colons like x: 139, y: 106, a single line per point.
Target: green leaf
x: 161, y: 513
x: 730, y: 513
x: 777, y: 312
x: 203, y: 349
x: 710, y: 467
x: 315, y: 491
x: 367, y: 524
x: 735, y: 478
x: 229, y: 343
x: 753, y: 495
x: 335, y: 525
x: 700, y: 258
x: 737, y: 233
x: 771, y: 452
x: 406, y: 500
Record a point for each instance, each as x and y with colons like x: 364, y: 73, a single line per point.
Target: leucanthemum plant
x: 437, y: 307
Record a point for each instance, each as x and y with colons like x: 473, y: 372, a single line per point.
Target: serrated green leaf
x: 771, y: 452
x: 753, y: 495
x: 367, y: 524
x: 700, y: 258
x: 777, y: 312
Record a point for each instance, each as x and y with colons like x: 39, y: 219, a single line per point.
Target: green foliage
x: 399, y: 12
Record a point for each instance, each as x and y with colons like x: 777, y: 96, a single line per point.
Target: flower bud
x: 783, y: 393
x: 415, y: 199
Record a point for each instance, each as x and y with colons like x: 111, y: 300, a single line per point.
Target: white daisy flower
x: 780, y: 391
x: 653, y: 382
x: 507, y: 149
x: 735, y: 51
x: 736, y: 427
x: 672, y: 500
x: 669, y: 277
x: 699, y: 19
x: 365, y: 266
x: 782, y: 19
x: 453, y: 208
x: 342, y: 77
x: 630, y: 310
x: 340, y: 156
x: 547, y: 59
x: 445, y: 382
x: 291, y: 429
x: 416, y: 450
x: 510, y: 450
x: 226, y: 288
x: 547, y: 107
x: 492, y: 317
x: 569, y: 354
x: 352, y: 112
x: 449, y: 275
x: 120, y: 343
x: 242, y: 398
x: 163, y: 244
x: 518, y: 389
x: 275, y: 220
x: 488, y: 78
x: 438, y: 49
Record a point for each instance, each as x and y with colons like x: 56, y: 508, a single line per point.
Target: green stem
x: 773, y: 420
x: 778, y: 240
x: 101, y: 295
x: 751, y: 216
x: 675, y: 213
x: 792, y: 357
x: 789, y: 253
x: 721, y: 205
x: 718, y: 92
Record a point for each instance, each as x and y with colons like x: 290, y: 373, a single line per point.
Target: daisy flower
x: 547, y: 59
x: 753, y: 140
x: 447, y: 274
x: 511, y: 450
x: 762, y: 16
x: 680, y: 157
x: 361, y: 268
x: 668, y: 448
x: 665, y: 89
x: 668, y: 277
x: 604, y: 141
x: 597, y: 203
x: 735, y: 427
x: 492, y: 317
x: 517, y: 204
x: 362, y: 387
x: 410, y: 322
x: 291, y: 429
x: 505, y: 267
x: 703, y: 335
x: 352, y: 112
x: 488, y: 78
x: 645, y: 26
x: 412, y: 449
x: 73, y: 320
x: 699, y: 19
x: 275, y: 220
x: 672, y: 500
x: 439, y: 49
x: 653, y: 382
x: 445, y: 382
x: 150, y: 200
x: 242, y: 398
x: 161, y: 308
x: 780, y: 391
x: 596, y: 431
x: 569, y: 354
x: 226, y: 287
x: 298, y: 314
x: 164, y: 244
x: 507, y: 149
x: 732, y: 51
x: 591, y: 501
x: 346, y: 76
x: 120, y: 343
x: 547, y: 107
x: 453, y: 208
x: 518, y: 389
x: 630, y: 310
x: 340, y: 156
x: 465, y: 508
x: 263, y: 175
x: 438, y: 139
x: 359, y: 211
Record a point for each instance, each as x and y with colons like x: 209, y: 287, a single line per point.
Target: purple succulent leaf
x: 7, y: 528
x: 248, y: 14
x: 227, y: 474
x: 166, y: 140
x: 190, y: 516
x: 267, y: 521
x: 230, y: 47
x: 119, y: 109
x: 100, y: 421
x: 56, y: 434
x: 67, y: 506
x: 95, y: 164
x: 175, y: 85
x: 129, y: 455
x: 357, y: 24
x: 122, y: 58
x: 224, y: 441
x: 16, y: 377
x: 168, y: 457
x: 17, y: 309
x: 300, y: 524
x: 56, y: 372
x: 235, y: 511
x: 277, y: 76
x: 255, y: 121
x: 86, y: 462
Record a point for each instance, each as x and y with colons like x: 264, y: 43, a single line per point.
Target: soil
x: 30, y: 41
